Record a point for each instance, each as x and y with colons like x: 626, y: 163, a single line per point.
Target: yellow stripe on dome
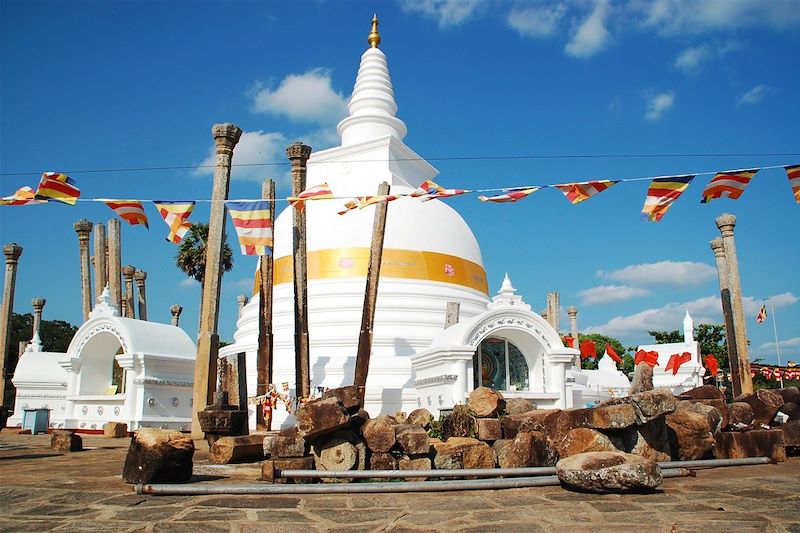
x: 341, y: 263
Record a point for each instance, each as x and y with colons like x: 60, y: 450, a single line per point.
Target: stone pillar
x: 38, y: 307
x: 84, y: 229
x: 225, y: 138
x: 140, y: 276
x: 176, y: 314
x: 298, y: 153
x: 554, y: 310
x: 242, y: 300
x: 12, y: 251
x: 559, y: 361
x: 572, y: 312
x: 128, y: 271
x: 100, y: 259
x: 725, y: 296
x: 726, y: 223
x: 115, y: 263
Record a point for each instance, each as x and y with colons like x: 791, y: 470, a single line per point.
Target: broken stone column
x: 12, y: 251
x: 38, y: 307
x: 176, y: 314
x: 115, y: 262
x: 225, y: 138
x: 100, y: 259
x: 242, y: 301
x: 726, y: 223
x: 140, y: 276
x: 158, y: 456
x: 572, y: 312
x: 718, y: 248
x: 553, y: 309
x: 84, y: 229
x: 128, y: 272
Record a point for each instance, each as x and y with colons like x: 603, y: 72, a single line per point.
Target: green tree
x: 54, y: 334
x: 600, y: 342
x: 191, y: 258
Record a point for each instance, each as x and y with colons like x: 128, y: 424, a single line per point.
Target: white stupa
x: 430, y: 258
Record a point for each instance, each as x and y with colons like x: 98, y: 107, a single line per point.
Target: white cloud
x: 677, y: 273
x: 592, y: 35
x: 188, y: 283
x: 679, y: 17
x: 446, y: 12
x: 657, y: 104
x: 254, y: 149
x: 752, y: 305
x: 754, y: 95
x: 792, y: 345
x: 307, y: 97
x: 605, y: 294
x: 692, y: 59
x: 537, y: 21
x: 241, y: 286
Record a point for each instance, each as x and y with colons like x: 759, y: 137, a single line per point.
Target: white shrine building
x: 690, y: 374
x: 430, y: 258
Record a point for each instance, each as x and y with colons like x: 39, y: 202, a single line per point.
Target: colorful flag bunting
x: 793, y: 173
x: 369, y: 200
x: 253, y: 226
x: 175, y: 215
x: 728, y: 184
x: 712, y: 365
x: 762, y: 314
x: 588, y: 349
x: 511, y: 195
x: 578, y: 192
x: 317, y: 192
x: 651, y: 358
x: 131, y: 211
x: 349, y: 206
x: 23, y: 196
x: 429, y: 190
x: 661, y: 194
x: 58, y: 187
x: 613, y: 354
x: 676, y: 360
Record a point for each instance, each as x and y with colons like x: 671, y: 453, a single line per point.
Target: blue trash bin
x: 37, y: 420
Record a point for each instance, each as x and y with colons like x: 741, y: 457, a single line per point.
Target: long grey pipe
x: 163, y: 489
x: 495, y: 472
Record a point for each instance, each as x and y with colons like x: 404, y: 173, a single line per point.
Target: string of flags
x: 253, y: 222
x: 269, y: 401
x: 775, y: 372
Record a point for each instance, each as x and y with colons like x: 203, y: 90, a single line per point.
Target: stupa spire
x: 372, y: 106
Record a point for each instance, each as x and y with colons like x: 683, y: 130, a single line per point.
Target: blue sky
x: 493, y: 93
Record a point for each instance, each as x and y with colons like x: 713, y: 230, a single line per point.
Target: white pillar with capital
x: 558, y: 361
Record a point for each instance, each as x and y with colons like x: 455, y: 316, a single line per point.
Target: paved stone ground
x: 44, y: 490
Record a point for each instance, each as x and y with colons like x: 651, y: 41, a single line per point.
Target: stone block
x: 603, y: 472
x: 359, y: 419
x: 719, y: 405
x: 271, y: 467
x: 765, y: 404
x: 115, y: 430
x: 66, y: 441
x: 649, y: 440
x: 420, y: 417
x: 489, y: 429
x: 400, y: 417
x: 648, y: 405
x: 418, y: 462
x: 382, y: 461
x: 240, y: 449
x: 379, y: 433
x: 712, y: 414
x: 284, y: 446
x: 320, y: 417
x: 791, y: 409
x: 159, y: 456
x: 485, y: 402
x: 789, y: 394
x: 348, y: 395
x: 611, y: 416
x: 528, y: 448
x: 343, y: 450
x: 756, y: 443
x: 581, y: 440
x: 791, y: 433
x: 642, y: 378
x: 740, y: 413
x: 690, y: 436
x: 518, y: 406
x: 462, y: 452
x: 413, y: 440
x: 704, y: 392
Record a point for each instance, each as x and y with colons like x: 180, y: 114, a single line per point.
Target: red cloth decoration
x: 587, y: 349
x: 651, y: 358
x: 569, y: 342
x: 612, y: 354
x: 712, y: 365
x: 675, y: 361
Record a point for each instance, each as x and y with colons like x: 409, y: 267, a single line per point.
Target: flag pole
x: 775, y: 330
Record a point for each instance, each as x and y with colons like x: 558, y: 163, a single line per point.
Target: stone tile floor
x: 44, y: 490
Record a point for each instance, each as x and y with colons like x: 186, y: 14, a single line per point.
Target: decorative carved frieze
x: 165, y: 382
x: 509, y: 322
x: 436, y: 380
x: 98, y: 329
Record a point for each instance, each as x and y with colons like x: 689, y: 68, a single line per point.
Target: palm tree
x: 191, y: 258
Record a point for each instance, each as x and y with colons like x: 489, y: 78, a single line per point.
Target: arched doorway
x: 498, y: 363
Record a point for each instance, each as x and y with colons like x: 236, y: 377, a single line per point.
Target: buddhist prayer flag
x: 365, y: 201
x: 727, y: 185
x: 511, y: 195
x: 429, y: 190
x: 588, y: 349
x: 612, y: 354
x: 793, y: 173
x: 58, y: 187
x: 317, y: 192
x: 762, y: 314
x: 675, y: 361
x: 23, y: 196
x: 661, y: 194
x: 578, y: 192
x: 253, y: 226
x: 712, y: 365
x: 651, y: 358
x: 349, y: 206
x: 175, y: 215
x: 131, y: 211
x: 569, y: 341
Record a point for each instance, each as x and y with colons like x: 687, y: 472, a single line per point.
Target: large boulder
x: 159, y: 456
x: 581, y: 440
x: 517, y: 406
x: 719, y: 405
x: 740, y: 413
x: 413, y: 440
x: 417, y: 462
x: 485, y: 402
x: 789, y: 394
x: 756, y: 443
x: 642, y: 378
x: 379, y: 433
x: 462, y: 452
x: 791, y: 409
x: 650, y: 440
x: 791, y: 434
x: 382, y: 461
x: 284, y: 446
x: 420, y: 417
x: 704, y: 392
x: 690, y: 436
x: 526, y: 449
x: 604, y: 472
x: 320, y: 417
x: 648, y: 405
x: 239, y: 449
x: 342, y: 450
x: 489, y: 429
x: 765, y: 404
x: 712, y: 414
x: 348, y: 395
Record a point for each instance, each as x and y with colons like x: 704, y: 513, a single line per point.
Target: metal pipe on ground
x: 163, y: 489
x: 495, y: 472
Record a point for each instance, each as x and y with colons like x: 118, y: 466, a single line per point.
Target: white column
x: 461, y: 364
x: 559, y: 361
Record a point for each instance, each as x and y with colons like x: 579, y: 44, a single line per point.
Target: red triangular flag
x: 569, y: 341
x: 612, y: 354
x: 587, y: 349
x: 712, y: 365
x: 651, y: 358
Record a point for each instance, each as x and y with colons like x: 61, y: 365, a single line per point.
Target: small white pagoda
x: 690, y: 375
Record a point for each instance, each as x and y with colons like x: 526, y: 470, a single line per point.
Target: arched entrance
x: 498, y: 363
